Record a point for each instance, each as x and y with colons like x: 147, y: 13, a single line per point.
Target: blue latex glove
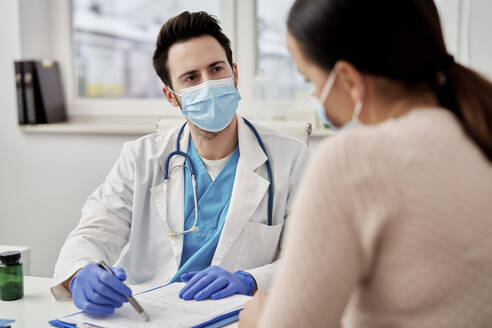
x: 94, y: 290
x: 215, y: 283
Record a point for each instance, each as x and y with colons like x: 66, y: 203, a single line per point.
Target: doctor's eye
x: 189, y: 78
x: 218, y: 68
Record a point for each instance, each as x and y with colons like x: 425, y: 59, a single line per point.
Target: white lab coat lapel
x: 174, y: 215
x: 248, y: 191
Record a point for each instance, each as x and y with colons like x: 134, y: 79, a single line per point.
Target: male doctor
x: 152, y: 230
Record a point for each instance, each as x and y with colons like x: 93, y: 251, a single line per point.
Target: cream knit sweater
x: 392, y: 227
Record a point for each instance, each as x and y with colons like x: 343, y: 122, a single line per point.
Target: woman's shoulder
x: 418, y: 131
x: 394, y: 145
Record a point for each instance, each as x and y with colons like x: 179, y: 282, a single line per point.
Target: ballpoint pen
x: 87, y: 325
x: 130, y: 299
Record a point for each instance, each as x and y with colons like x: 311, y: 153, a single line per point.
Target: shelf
x: 322, y: 132
x: 137, y: 126
x: 101, y: 126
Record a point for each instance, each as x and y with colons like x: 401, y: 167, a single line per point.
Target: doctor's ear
x: 352, y: 80
x: 235, y: 74
x: 171, y: 97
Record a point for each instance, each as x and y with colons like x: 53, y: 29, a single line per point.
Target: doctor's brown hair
x: 184, y: 27
x: 400, y: 40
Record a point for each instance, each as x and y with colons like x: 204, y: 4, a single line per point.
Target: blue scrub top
x: 213, y: 204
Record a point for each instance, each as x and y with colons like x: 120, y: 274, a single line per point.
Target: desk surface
x: 38, y: 306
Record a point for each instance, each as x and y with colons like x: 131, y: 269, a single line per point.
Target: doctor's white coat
x: 124, y: 221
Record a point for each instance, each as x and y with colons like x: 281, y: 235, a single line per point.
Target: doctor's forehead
x: 194, y: 54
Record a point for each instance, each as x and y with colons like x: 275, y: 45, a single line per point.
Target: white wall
x: 35, y: 28
x: 468, y: 32
x: 44, y: 179
x: 480, y: 36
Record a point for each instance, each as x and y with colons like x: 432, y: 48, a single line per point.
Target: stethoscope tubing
x: 178, y: 152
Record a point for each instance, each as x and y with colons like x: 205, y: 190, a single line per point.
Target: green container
x: 11, y: 277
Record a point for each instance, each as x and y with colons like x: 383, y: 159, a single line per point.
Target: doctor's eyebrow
x: 215, y: 63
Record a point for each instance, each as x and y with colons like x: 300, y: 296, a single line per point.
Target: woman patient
x: 392, y: 224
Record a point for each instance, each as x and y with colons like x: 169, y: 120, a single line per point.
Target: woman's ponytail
x: 469, y: 96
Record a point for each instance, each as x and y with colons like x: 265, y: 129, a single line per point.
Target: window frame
x: 246, y: 50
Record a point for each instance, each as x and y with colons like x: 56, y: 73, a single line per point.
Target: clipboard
x: 202, y: 314
x: 218, y: 322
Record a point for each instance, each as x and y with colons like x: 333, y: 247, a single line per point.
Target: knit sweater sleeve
x: 323, y: 259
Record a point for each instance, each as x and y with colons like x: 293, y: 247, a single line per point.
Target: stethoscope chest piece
x: 174, y: 234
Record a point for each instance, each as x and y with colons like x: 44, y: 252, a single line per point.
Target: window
x: 113, y: 43
x: 108, y: 70
x: 276, y: 77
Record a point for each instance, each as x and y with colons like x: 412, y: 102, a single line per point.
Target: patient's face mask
x: 210, y: 105
x: 320, y: 107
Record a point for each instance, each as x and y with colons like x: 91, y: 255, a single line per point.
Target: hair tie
x: 443, y: 67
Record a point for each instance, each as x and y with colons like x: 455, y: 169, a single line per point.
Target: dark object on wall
x: 19, y: 83
x: 32, y: 100
x: 43, y: 100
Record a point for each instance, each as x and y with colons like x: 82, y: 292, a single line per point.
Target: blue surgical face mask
x: 320, y: 107
x: 211, y: 105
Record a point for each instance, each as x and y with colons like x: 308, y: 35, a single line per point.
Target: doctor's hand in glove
x: 215, y: 283
x: 97, y: 291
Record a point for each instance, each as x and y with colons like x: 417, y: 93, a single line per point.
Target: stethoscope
x: 178, y: 152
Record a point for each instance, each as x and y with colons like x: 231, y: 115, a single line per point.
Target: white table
x: 38, y: 306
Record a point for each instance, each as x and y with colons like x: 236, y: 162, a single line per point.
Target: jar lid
x: 9, y: 258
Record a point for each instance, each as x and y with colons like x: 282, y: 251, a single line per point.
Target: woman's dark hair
x: 181, y: 28
x: 397, y: 39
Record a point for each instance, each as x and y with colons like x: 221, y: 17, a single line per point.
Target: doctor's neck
x: 215, y: 145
